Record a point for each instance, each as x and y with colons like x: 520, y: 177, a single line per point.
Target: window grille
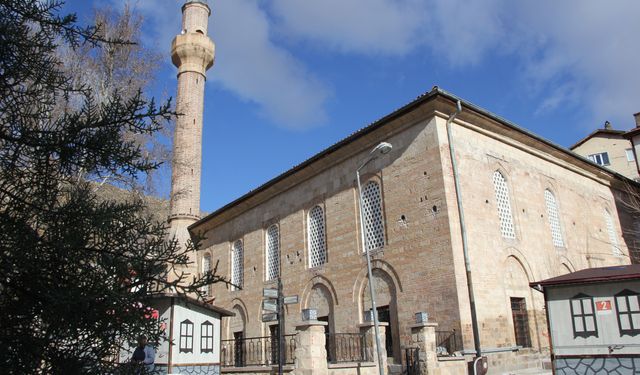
x: 554, y: 218
x: 237, y: 264
x: 613, y: 239
x: 520, y: 322
x: 504, y: 206
x: 206, y: 337
x: 628, y: 308
x: 273, y: 253
x: 372, y: 212
x: 316, y: 237
x: 206, y: 267
x: 186, y: 336
x: 583, y: 316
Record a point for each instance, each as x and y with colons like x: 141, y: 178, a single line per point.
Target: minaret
x: 192, y: 52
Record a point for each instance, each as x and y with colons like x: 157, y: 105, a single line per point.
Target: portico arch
x: 386, y: 290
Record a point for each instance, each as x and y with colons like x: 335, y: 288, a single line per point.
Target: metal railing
x: 256, y: 351
x: 348, y: 347
x: 447, y: 343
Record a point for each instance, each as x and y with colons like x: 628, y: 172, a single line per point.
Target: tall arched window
x: 206, y: 267
x: 316, y: 237
x: 237, y: 265
x: 554, y: 218
x: 273, y: 253
x: 613, y: 238
x: 503, y: 201
x: 372, y: 212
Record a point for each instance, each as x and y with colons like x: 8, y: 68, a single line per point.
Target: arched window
x: 273, y: 253
x: 237, y: 264
x: 554, y: 218
x: 372, y: 212
x: 186, y: 336
x: 206, y: 337
x: 316, y: 237
x: 206, y: 267
x: 503, y: 201
x: 613, y: 238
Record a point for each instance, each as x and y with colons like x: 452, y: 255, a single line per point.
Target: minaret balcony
x: 192, y: 52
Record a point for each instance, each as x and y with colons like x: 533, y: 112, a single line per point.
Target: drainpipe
x: 463, y: 229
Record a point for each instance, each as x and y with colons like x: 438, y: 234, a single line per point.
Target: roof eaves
x: 596, y: 132
x: 396, y: 113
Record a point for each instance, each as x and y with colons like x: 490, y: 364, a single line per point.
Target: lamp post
x: 380, y: 149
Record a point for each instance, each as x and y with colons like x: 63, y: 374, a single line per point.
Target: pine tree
x: 77, y: 270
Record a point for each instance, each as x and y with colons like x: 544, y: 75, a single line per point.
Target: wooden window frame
x: 585, y: 333
x: 186, y: 339
x: 633, y: 331
x: 206, y: 337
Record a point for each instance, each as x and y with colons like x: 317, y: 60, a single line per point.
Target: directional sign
x: 271, y: 317
x: 270, y: 293
x: 269, y: 305
x: 290, y: 300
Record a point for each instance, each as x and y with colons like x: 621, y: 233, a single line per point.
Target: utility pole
x: 281, y: 353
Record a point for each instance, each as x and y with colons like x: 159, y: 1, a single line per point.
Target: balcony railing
x: 256, y: 351
x: 447, y: 343
x: 348, y: 347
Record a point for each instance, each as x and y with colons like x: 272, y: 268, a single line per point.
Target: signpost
x: 274, y: 303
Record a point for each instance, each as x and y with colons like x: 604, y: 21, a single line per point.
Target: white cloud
x: 583, y: 54
x: 248, y: 63
x: 361, y: 26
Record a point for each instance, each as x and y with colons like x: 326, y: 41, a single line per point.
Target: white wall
x: 561, y: 326
x: 197, y: 316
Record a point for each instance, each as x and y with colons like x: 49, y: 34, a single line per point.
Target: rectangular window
x: 206, y: 337
x: 186, y: 336
x: 630, y: 155
x: 601, y: 158
x: 583, y: 316
x: 520, y: 322
x: 628, y: 307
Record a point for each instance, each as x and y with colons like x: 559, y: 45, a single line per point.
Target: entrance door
x: 385, y: 316
x: 238, y: 341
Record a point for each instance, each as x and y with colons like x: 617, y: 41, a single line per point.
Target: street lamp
x: 380, y: 149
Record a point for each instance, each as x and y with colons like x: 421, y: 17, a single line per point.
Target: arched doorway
x: 237, y: 329
x: 320, y: 299
x: 516, y: 284
x: 386, y: 303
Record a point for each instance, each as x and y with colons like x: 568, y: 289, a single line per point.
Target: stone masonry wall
x: 416, y: 262
x: 502, y: 268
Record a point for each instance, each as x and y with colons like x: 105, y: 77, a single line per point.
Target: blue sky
x: 292, y: 77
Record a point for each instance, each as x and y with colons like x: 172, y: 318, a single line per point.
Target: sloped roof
x: 598, y: 132
x: 193, y: 301
x: 593, y: 275
x: 435, y: 92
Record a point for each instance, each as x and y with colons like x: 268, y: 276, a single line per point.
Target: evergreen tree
x: 77, y: 270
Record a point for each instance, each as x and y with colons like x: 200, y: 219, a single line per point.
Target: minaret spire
x: 192, y: 52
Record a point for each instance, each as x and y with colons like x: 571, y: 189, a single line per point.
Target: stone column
x: 369, y: 330
x: 311, y: 355
x: 424, y: 335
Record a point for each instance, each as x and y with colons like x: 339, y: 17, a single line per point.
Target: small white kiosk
x: 594, y: 320
x: 193, y: 336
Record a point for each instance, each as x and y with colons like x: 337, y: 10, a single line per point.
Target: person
x: 144, y: 354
